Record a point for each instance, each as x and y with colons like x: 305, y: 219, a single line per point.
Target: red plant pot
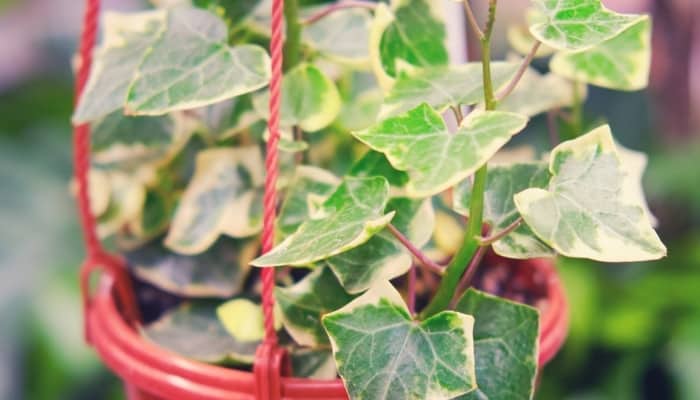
x: 152, y: 373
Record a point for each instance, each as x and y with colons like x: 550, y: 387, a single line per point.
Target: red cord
x: 272, y: 169
x: 81, y: 133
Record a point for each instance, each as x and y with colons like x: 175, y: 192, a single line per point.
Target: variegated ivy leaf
x: 309, y: 183
x: 155, y: 62
x: 499, y: 209
x: 310, y: 99
x: 126, y: 38
x: 224, y: 196
x: 342, y: 36
x: 233, y: 312
x: 410, y: 32
x: 347, y: 219
x: 588, y: 210
x: 382, y: 353
x: 303, y: 304
x: 577, y: 24
x: 383, y: 257
x: 220, y: 271
x: 505, y: 346
x: 193, y: 330
x: 419, y: 143
x: 191, y: 66
x: 374, y: 163
x: 313, y: 363
x: 620, y: 63
x: 99, y: 191
x: 537, y: 93
x: 129, y: 143
x: 443, y: 87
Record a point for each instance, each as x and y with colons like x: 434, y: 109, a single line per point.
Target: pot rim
x: 159, y: 371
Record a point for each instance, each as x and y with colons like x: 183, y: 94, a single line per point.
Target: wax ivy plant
x: 386, y: 149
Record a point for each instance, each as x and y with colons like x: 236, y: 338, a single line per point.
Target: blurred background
x: 635, y: 328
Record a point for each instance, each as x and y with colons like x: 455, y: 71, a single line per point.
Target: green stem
x: 460, y: 261
x: 292, y: 44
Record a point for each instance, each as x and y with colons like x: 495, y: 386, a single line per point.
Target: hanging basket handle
x: 270, y: 358
x: 97, y: 258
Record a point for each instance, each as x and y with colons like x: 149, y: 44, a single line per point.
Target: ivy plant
x: 389, y: 151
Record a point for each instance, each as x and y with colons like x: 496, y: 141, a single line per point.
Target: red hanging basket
x: 152, y: 373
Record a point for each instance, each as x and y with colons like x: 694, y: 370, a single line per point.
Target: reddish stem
x: 339, y: 6
x: 424, y: 260
x: 469, y: 274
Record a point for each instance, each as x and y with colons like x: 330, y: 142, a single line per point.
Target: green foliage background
x: 635, y: 329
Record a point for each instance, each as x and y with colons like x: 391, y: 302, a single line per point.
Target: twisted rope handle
x: 272, y: 168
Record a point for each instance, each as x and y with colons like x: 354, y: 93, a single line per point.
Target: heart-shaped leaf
x: 499, y: 209
x: 342, y: 36
x: 505, y: 345
x: 308, y: 182
x: 588, y: 210
x: 303, y: 304
x: 220, y: 271
x: 419, y: 143
x: 224, y: 196
x: 381, y: 353
x: 126, y: 38
x: 158, y: 61
x: 577, y: 24
x: 411, y: 33
x: 443, y: 87
x: 383, y: 257
x: 193, y: 330
x: 620, y: 63
x: 374, y: 163
x: 129, y: 143
x: 347, y: 219
x: 310, y: 99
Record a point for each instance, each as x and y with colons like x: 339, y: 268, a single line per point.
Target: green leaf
x: 313, y: 363
x: 155, y: 62
x: 499, y: 209
x: 220, y: 271
x: 233, y: 312
x: 310, y: 99
x: 227, y: 118
x: 129, y: 143
x: 410, y: 33
x: 308, y: 183
x: 505, y: 344
x: 443, y: 87
x: 303, y: 304
x: 347, y: 219
x: 360, y: 111
x: 383, y: 257
x: 419, y: 143
x: 577, y: 24
x: 537, y: 93
x: 342, y: 36
x: 193, y: 330
x: 126, y: 38
x: 620, y: 63
x: 381, y: 353
x: 374, y: 163
x: 224, y: 196
x: 588, y: 210
x: 191, y: 66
